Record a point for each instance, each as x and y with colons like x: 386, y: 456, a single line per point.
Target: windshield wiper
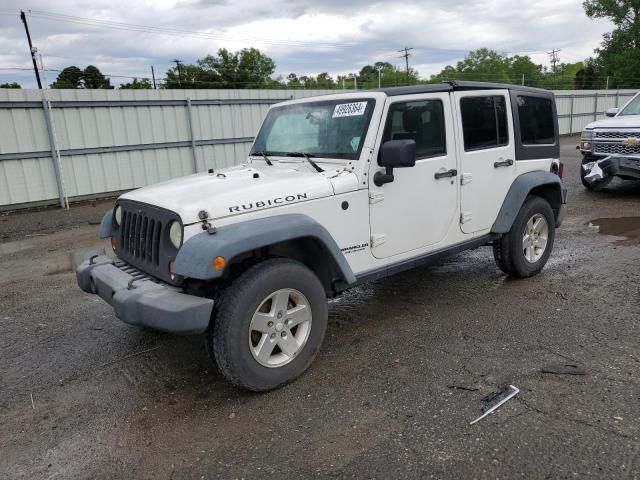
x: 307, y: 158
x: 263, y: 155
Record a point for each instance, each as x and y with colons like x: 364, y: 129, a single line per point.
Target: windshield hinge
x: 376, y: 196
x: 378, y: 239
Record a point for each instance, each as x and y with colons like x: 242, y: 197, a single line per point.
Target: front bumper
x: 139, y: 300
x: 621, y: 166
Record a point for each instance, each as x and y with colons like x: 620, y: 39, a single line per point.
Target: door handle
x: 447, y: 174
x: 503, y: 163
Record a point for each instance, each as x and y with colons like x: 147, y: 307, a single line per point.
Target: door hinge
x: 466, y: 178
x: 378, y: 239
x: 376, y: 196
x: 465, y: 217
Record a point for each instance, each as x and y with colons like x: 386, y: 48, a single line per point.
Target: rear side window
x: 484, y: 122
x: 422, y: 121
x: 537, y: 126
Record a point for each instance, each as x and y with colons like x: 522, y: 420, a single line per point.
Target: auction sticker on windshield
x: 349, y: 109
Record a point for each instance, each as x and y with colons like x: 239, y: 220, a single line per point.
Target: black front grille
x: 140, y: 236
x: 143, y: 238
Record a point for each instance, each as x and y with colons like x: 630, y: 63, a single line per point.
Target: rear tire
x: 269, y: 325
x: 525, y: 249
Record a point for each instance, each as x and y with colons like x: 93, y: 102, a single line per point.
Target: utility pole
x: 553, y: 55
x: 406, y: 59
x: 379, y: 76
x: 178, y: 63
x: 33, y: 50
x: 153, y: 76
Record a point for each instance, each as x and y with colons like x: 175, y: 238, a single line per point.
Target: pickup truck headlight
x: 175, y: 234
x: 117, y: 215
x: 585, y: 140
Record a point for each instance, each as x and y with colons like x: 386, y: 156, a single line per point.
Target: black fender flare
x: 546, y: 184
x: 194, y: 259
x: 106, y: 225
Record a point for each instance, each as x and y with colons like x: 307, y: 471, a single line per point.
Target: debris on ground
x: 462, y: 387
x: 496, y: 399
x: 564, y: 370
x: 595, y: 172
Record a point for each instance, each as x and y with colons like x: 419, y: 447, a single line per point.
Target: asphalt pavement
x: 403, y: 370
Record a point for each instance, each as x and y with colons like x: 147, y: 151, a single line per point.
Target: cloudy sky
x: 124, y: 37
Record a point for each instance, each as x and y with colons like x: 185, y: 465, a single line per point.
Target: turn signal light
x: 219, y: 263
x: 113, y: 243
x: 171, y: 272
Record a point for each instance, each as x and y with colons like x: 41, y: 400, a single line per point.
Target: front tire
x: 269, y: 325
x: 525, y: 249
x: 597, y: 185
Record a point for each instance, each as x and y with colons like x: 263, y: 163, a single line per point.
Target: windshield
x: 633, y: 108
x: 324, y: 129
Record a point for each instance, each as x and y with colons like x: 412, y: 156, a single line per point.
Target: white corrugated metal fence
x: 114, y: 140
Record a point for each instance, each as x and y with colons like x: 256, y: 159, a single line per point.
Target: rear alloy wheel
x: 269, y: 325
x: 525, y: 249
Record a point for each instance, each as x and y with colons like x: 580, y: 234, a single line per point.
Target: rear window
x: 537, y: 126
x: 484, y: 122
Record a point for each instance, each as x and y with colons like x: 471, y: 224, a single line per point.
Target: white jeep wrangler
x: 611, y: 147
x: 337, y: 190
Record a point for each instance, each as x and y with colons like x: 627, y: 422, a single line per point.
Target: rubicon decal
x: 268, y: 203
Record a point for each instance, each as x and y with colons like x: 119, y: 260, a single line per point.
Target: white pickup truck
x: 611, y: 147
x: 337, y: 190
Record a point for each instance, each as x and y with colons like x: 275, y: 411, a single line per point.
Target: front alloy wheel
x: 269, y: 324
x: 280, y: 328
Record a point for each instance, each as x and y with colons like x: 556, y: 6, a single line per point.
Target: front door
x: 418, y: 208
x: 487, y: 153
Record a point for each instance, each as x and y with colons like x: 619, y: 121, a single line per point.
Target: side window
x: 422, y: 121
x: 537, y: 126
x: 484, y: 122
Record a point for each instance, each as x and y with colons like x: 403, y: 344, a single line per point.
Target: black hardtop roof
x: 457, y: 85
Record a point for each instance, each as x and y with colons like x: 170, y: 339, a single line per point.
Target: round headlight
x: 117, y: 215
x: 175, y: 234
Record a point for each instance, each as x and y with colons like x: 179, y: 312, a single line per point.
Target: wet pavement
x: 405, y: 364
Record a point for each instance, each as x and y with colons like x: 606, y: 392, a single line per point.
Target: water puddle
x: 626, y: 227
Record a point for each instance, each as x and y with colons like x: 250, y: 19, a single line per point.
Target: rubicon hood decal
x: 268, y: 203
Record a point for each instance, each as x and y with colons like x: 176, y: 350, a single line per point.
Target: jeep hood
x: 623, y: 121
x: 235, y: 190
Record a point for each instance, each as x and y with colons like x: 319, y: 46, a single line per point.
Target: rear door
x: 487, y: 155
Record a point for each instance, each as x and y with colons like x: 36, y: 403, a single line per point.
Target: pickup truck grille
x: 615, y: 135
x: 143, y: 238
x: 616, y: 149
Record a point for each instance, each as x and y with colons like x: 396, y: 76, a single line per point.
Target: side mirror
x: 395, y: 154
x: 612, y: 112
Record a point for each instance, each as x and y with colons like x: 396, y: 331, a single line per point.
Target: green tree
x: 10, y: 85
x: 619, y: 55
x: 247, y: 68
x: 324, y: 81
x: 69, y: 77
x: 136, y: 84
x: 94, y: 79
